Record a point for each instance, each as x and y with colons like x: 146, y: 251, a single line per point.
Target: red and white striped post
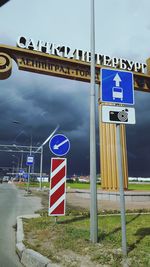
x: 57, y: 193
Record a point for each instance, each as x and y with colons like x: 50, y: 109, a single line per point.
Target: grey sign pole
x: 93, y: 187
x: 41, y: 167
x: 28, y: 179
x: 29, y: 169
x: 121, y: 187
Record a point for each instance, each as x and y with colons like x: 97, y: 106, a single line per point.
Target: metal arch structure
x: 39, y: 62
x: 19, y: 149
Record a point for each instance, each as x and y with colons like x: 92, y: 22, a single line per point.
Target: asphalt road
x: 13, y: 203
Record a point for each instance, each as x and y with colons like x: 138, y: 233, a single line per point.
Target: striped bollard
x: 57, y: 193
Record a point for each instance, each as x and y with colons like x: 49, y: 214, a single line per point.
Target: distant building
x: 84, y: 179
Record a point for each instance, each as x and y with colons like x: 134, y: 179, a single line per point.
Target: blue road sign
x: 25, y: 175
x: 117, y: 86
x: 30, y: 160
x: 21, y: 171
x: 59, y: 145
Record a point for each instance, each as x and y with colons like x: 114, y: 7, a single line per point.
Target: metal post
x: 121, y: 187
x: 13, y: 171
x: 93, y: 186
x: 41, y: 167
x: 21, y: 164
x: 17, y: 166
x: 29, y: 171
x: 28, y: 179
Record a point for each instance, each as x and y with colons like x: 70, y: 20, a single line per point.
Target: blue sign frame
x: 59, y: 145
x: 117, y: 86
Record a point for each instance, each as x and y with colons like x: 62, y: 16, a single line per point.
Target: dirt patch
x: 78, y: 200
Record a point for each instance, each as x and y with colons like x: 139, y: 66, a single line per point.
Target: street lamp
x: 20, y: 133
x: 13, y: 168
x: 17, y: 171
x: 41, y: 149
x: 23, y: 131
x: 21, y: 161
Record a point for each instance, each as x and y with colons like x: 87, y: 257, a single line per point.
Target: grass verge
x: 141, y: 187
x: 67, y: 240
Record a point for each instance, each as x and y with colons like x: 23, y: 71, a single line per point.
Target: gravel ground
x: 78, y: 200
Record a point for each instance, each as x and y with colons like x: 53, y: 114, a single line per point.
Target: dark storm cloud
x: 39, y: 103
x: 45, y: 101
x: 138, y: 137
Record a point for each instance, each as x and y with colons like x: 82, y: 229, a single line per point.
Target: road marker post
x: 57, y: 193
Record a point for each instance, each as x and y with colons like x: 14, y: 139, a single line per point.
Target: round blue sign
x: 59, y: 145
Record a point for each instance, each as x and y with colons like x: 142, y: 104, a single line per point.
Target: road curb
x: 29, y: 257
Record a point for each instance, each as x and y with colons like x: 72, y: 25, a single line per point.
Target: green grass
x: 131, y: 186
x: 32, y: 184
x: 46, y: 184
x: 78, y: 185
x: 83, y: 186
x: 71, y: 233
x: 141, y: 187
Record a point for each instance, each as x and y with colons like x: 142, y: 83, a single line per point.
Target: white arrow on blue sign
x: 117, y: 86
x: 59, y: 145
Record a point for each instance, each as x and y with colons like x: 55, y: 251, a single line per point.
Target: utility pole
x: 41, y: 167
x: 29, y: 170
x: 93, y: 186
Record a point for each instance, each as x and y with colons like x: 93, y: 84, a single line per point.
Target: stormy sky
x: 39, y: 103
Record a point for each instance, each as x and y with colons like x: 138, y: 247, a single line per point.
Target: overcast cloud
x: 40, y: 102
